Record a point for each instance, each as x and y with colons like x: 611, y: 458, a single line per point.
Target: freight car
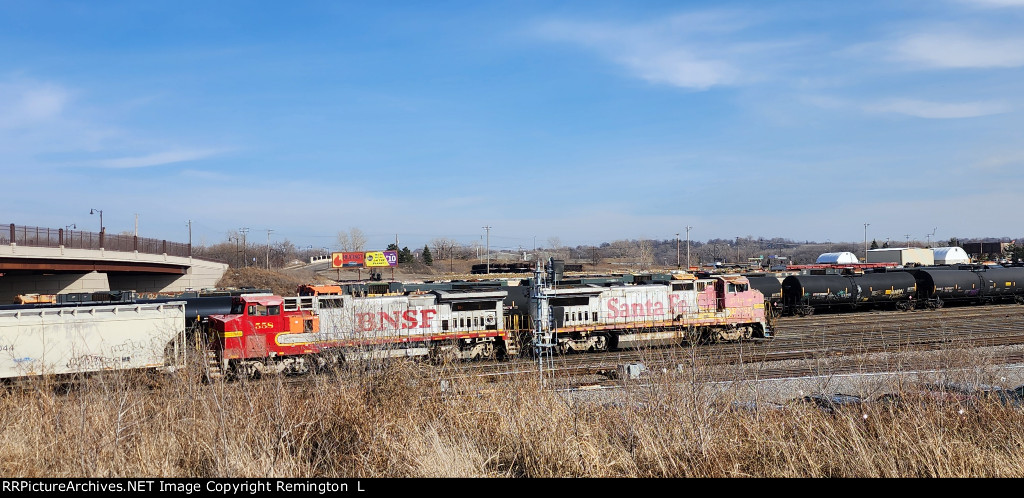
x: 930, y: 287
x: 805, y: 294
x: 79, y: 340
x: 198, y: 305
x: 520, y: 267
x: 969, y: 284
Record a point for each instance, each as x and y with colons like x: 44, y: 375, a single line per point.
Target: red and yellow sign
x: 347, y: 260
x: 361, y: 259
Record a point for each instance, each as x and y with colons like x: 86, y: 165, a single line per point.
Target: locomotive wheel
x: 1019, y: 299
x: 445, y: 355
x: 697, y: 335
x: 248, y: 370
x: 484, y: 351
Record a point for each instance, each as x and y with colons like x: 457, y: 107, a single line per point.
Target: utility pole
x: 136, y: 224
x: 677, y: 250
x: 235, y: 237
x: 268, y: 248
x: 488, y: 228
x: 907, y: 235
x: 866, y: 225
x: 243, y: 231
x: 688, y: 248
x: 190, y: 238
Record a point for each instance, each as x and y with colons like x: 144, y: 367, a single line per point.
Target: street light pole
x: 94, y: 211
x: 488, y: 228
x: 268, y: 248
x: 677, y: 250
x: 866, y: 225
x: 688, y: 248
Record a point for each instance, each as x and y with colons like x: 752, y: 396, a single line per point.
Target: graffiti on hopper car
x: 90, y: 361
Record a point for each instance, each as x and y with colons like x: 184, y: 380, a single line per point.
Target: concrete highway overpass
x: 35, y: 260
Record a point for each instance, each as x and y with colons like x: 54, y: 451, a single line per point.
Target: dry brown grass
x: 394, y: 420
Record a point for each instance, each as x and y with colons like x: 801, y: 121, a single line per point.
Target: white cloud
x: 938, y: 110
x: 24, y: 104
x: 156, y: 158
x: 956, y: 50
x: 659, y: 53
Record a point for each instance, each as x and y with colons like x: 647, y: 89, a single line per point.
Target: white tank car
x: 72, y: 340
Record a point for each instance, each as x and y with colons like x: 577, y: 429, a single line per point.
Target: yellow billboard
x: 375, y: 258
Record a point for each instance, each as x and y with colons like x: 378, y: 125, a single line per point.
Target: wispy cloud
x: 938, y: 110
x: 994, y: 3
x: 958, y: 50
x: 667, y: 52
x: 999, y: 161
x: 47, y: 124
x: 27, y: 103
x: 156, y: 158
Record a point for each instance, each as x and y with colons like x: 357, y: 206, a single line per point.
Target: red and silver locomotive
x: 272, y: 334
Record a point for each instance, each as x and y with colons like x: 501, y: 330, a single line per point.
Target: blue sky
x: 590, y: 121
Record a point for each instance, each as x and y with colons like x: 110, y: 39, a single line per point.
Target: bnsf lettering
x: 410, y: 319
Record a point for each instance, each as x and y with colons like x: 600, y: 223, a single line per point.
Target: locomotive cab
x: 260, y: 335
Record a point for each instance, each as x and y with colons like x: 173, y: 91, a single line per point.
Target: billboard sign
x: 347, y: 260
x: 381, y: 258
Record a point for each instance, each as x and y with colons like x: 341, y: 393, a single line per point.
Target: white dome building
x: 837, y: 258
x: 950, y: 256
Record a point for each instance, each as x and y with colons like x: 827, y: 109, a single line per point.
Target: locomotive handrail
x: 80, y: 239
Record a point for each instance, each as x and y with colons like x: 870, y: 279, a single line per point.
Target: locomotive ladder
x: 212, y: 368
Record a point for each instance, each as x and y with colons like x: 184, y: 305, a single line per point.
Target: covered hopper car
x: 81, y: 340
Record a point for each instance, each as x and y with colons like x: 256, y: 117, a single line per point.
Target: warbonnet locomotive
x: 265, y: 334
x: 322, y: 326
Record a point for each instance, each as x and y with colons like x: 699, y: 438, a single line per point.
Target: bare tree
x: 555, y: 248
x: 644, y: 254
x: 444, y: 248
x: 353, y: 240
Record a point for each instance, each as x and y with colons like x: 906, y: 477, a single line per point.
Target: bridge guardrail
x: 80, y: 239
